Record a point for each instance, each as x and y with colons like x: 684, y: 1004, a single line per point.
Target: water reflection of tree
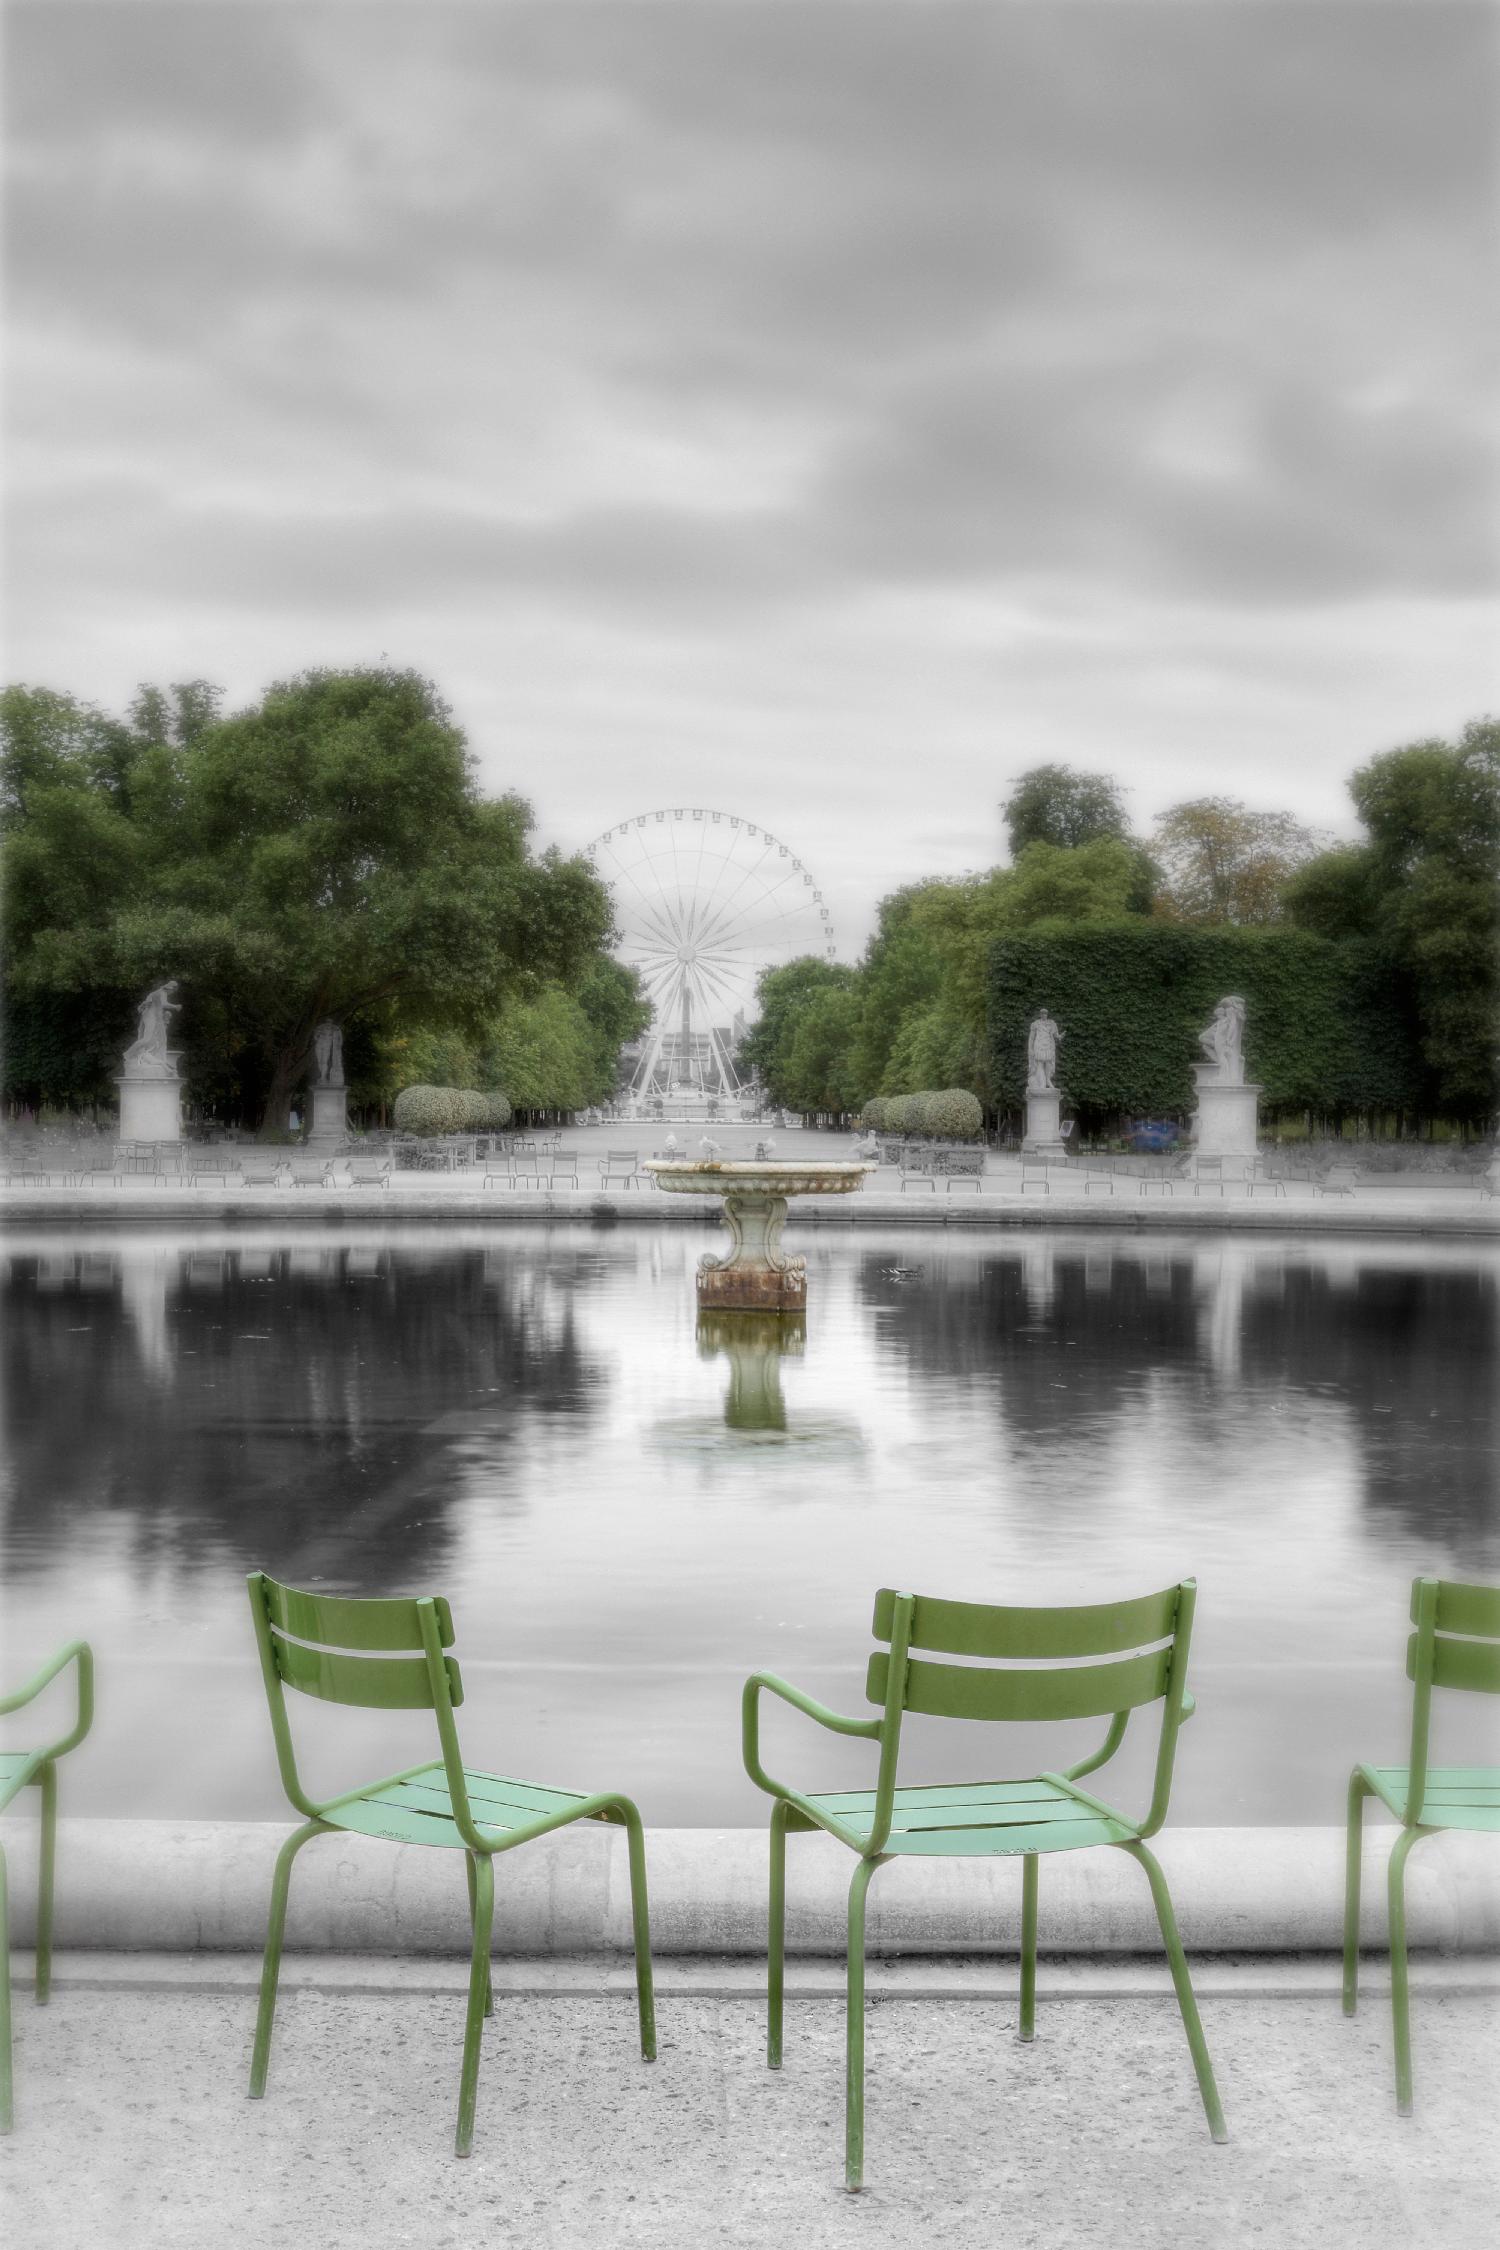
x: 1409, y: 1352
x: 296, y: 1411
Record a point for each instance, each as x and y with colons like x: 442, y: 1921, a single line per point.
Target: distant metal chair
x: 37, y: 1769
x: 1023, y: 1818
x: 619, y: 1164
x: 401, y: 1665
x: 1340, y: 1179
x: 1456, y: 1645
x: 1036, y: 1171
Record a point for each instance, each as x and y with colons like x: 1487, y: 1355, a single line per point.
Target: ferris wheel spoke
x: 751, y: 874
x: 729, y: 920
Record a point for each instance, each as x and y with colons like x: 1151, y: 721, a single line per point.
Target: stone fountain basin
x: 710, y: 1177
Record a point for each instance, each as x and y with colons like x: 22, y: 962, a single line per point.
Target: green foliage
x: 1224, y: 863
x: 325, y: 854
x: 951, y: 1115
x: 783, y: 996
x: 431, y: 1109
x: 1060, y: 806
x: 1426, y: 887
x: 1326, y: 1028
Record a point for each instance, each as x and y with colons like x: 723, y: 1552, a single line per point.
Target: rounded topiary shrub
x: 873, y: 1116
x: 497, y: 1112
x: 427, y: 1110
x: 953, y: 1115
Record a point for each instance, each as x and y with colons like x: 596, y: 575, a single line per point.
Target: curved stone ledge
x: 165, y: 1886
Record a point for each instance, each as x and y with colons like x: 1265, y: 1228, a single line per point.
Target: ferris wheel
x: 704, y: 903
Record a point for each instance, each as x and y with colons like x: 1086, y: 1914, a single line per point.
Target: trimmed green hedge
x: 429, y: 1110
x: 1328, y: 1028
x: 952, y: 1115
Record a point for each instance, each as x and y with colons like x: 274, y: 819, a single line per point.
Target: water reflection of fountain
x: 755, y: 1344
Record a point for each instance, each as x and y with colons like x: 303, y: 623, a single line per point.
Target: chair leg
x: 1400, y: 1995
x: 1359, y: 1790
x: 45, y: 1878
x: 270, y: 1972
x: 1183, y: 1985
x: 1029, y: 1870
x: 7, y: 2109
x: 479, y: 1973
x: 776, y: 1941
x: 489, y: 1990
x: 640, y: 1923
x: 854, y: 2052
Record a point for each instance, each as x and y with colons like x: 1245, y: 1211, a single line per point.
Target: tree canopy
x: 1061, y: 806
x: 324, y: 854
x: 1221, y: 862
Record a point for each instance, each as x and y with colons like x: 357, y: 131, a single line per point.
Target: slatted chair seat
x: 16, y: 1769
x: 418, y: 1809
x: 978, y: 1819
x: 391, y: 1655
x: 1455, y: 1796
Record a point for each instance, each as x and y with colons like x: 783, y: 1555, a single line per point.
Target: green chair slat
x: 16, y: 1770
x: 374, y: 1683
x: 1084, y: 1691
x: 398, y: 1823
x: 1472, y: 1665
x: 345, y: 1621
x: 985, y: 1629
x: 1465, y: 1609
x: 1008, y: 1842
x: 917, y: 1795
x: 528, y: 1798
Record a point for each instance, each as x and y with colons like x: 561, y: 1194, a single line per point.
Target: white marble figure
x: 328, y: 1054
x: 1041, y: 1055
x: 1223, y: 1042
x: 147, y: 1056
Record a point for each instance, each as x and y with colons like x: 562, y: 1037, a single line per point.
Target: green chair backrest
x: 1456, y: 1645
x: 384, y: 1655
x: 1156, y: 1628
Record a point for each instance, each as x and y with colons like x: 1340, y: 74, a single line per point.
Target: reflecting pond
x: 630, y: 1510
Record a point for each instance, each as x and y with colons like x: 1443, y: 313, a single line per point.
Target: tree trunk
x: 286, y: 1076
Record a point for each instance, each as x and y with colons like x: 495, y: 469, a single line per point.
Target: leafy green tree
x: 1426, y: 886
x: 1224, y: 863
x: 782, y: 995
x: 1058, y: 805
x: 326, y: 853
x: 617, y: 1011
x: 817, y: 1076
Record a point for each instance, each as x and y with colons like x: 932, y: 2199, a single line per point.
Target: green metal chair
x: 1456, y: 1645
x: 984, y: 1819
x: 389, y: 1656
x: 37, y: 1769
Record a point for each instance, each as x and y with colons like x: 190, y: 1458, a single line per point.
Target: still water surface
x: 629, y: 1513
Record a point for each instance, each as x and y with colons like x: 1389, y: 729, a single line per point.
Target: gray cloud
x: 720, y: 343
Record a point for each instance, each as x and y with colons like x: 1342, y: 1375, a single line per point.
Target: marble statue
x: 1041, y: 1055
x: 328, y: 1055
x: 147, y: 1057
x: 1223, y: 1042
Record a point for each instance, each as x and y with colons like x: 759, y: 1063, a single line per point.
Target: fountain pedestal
x: 757, y: 1275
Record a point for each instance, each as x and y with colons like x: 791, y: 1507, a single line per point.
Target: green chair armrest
x: 83, y: 1655
x: 834, y: 1721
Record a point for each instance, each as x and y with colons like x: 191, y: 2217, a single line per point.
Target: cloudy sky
x: 817, y: 409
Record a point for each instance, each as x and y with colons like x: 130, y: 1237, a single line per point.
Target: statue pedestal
x: 330, y: 1116
x: 150, y: 1108
x: 1225, y: 1124
x: 1043, y: 1122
